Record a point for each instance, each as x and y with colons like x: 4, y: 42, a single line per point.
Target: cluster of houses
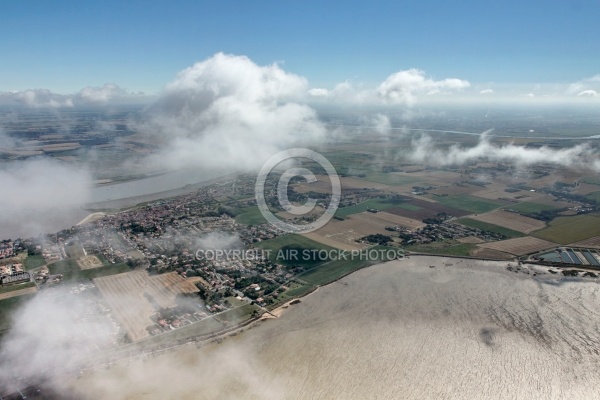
x: 12, y: 274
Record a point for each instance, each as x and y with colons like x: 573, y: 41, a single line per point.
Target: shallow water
x: 462, y: 330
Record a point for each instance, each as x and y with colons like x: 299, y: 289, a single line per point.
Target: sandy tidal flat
x: 462, y: 330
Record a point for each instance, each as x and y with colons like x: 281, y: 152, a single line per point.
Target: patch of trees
x: 378, y: 238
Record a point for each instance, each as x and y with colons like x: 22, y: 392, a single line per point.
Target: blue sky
x: 140, y: 45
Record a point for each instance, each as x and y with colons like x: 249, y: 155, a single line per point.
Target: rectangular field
x: 520, y: 246
x: 510, y: 220
x: 528, y: 208
x: 133, y: 296
x: 427, y: 208
x: 468, y: 203
x: 565, y: 230
x: 343, y: 234
x: 591, y: 242
x: 484, y: 226
x: 378, y: 204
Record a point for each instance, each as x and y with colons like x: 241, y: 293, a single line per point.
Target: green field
x: 565, y: 230
x: 70, y: 271
x: 594, y: 196
x: 283, y: 248
x: 18, y: 286
x: 379, y: 204
x: 388, y: 178
x: 484, y: 226
x: 468, y: 203
x: 331, y: 271
x: 32, y: 262
x: 529, y: 208
x: 250, y: 216
x: 462, y: 249
x: 592, y: 180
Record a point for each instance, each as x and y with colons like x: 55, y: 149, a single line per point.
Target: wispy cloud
x: 581, y: 156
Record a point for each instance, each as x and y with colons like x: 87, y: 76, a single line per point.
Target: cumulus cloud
x: 36, y: 98
x: 587, y: 87
x: 486, y: 91
x: 404, y: 87
x: 39, y: 194
x: 228, y: 111
x: 101, y: 95
x: 580, y: 156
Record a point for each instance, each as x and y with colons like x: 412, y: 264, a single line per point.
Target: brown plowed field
x: 520, y: 246
x: 511, y: 220
x: 127, y: 296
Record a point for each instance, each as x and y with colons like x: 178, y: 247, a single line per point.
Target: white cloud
x: 580, y: 156
x: 37, y: 192
x: 44, y: 98
x: 318, y: 92
x: 585, y: 87
x: 486, y: 91
x: 36, y: 98
x: 403, y: 87
x: 229, y: 112
x: 101, y: 95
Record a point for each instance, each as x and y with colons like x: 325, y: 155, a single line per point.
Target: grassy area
x: 204, y: 327
x: 462, y: 249
x: 295, y: 250
x: 250, y: 216
x: 295, y: 290
x: 18, y: 286
x: 333, y: 270
x: 388, y: 178
x: 70, y: 270
x: 528, y: 208
x: 7, y: 307
x: 594, y: 196
x: 377, y: 203
x: 34, y: 261
x: 593, y: 180
x: 468, y: 203
x: 567, y: 230
x: 484, y: 226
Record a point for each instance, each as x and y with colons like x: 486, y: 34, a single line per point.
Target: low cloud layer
x: 580, y: 156
x: 39, y: 194
x: 44, y: 98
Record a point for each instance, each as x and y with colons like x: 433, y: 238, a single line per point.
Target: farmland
x: 7, y: 308
x: 250, y: 216
x: 422, y: 208
x: 519, y: 246
x: 510, y: 220
x: 565, y: 230
x: 444, y: 248
x: 468, y: 203
x: 484, y: 226
x: 70, y: 270
x: 128, y: 296
x: 288, y: 244
x: 378, y: 204
x: 343, y: 234
x: 529, y: 208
